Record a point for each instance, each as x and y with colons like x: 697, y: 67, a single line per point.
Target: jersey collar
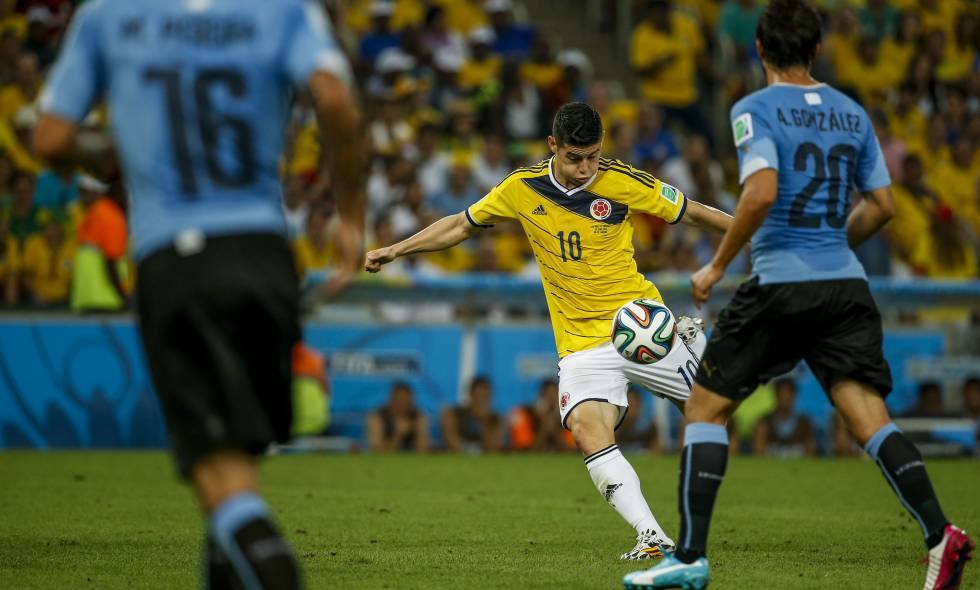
x: 817, y: 85
x: 558, y: 185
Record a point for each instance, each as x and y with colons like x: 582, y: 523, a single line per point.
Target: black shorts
x: 767, y: 329
x: 218, y: 328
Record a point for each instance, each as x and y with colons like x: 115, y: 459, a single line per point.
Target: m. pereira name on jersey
x: 820, y: 120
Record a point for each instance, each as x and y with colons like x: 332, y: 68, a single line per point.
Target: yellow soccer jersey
x: 583, y: 241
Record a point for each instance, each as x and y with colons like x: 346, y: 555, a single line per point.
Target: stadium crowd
x: 460, y: 92
x: 774, y: 427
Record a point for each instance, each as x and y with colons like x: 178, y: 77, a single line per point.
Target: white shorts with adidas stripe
x: 601, y: 374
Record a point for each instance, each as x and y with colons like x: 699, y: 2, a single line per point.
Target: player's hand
x: 376, y: 258
x: 702, y: 282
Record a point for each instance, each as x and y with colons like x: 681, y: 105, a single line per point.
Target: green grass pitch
x: 110, y: 520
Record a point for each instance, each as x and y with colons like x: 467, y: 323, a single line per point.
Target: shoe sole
x: 962, y: 553
x: 683, y: 586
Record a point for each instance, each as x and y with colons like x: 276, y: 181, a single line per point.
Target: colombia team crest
x: 600, y: 209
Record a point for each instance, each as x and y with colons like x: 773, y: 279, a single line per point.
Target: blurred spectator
x: 900, y: 47
x: 961, y: 53
x: 576, y: 75
x: 461, y: 191
x: 387, y: 181
x: 432, y: 164
x: 894, y: 148
x: 10, y: 48
x: 512, y: 40
x: 482, y: 66
x: 9, y: 263
x: 523, y: 113
x: 932, y: 147
x: 311, y: 392
x: 38, y: 41
x: 664, y: 50
x: 971, y: 398
x: 446, y: 91
x: 680, y: 170
x: 930, y: 404
x: 380, y: 36
x: 437, y: 37
x: 540, y: 68
x: 869, y: 76
x: 100, y: 268
x: 736, y: 25
x: 313, y: 250
x: 46, y: 264
x: 399, y: 425
x: 620, y: 142
x: 914, y: 204
x: 879, y: 19
x: 638, y: 431
x: 944, y: 251
x: 955, y: 180
x: 785, y: 432
x: 905, y: 119
x: 20, y: 211
x: 410, y: 214
x: 654, y: 144
x: 490, y: 166
x: 56, y: 189
x: 537, y: 427
x: 23, y: 89
x: 473, y: 427
x: 389, y: 133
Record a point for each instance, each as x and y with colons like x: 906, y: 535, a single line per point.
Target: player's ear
x: 758, y: 49
x: 553, y: 145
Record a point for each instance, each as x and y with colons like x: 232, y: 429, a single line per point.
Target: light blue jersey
x: 198, y: 94
x: 823, y: 146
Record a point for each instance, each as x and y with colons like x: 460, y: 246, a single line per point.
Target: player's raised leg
x: 592, y: 403
x: 900, y: 462
x: 592, y: 424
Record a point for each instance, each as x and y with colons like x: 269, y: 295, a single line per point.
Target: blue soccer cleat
x: 670, y: 573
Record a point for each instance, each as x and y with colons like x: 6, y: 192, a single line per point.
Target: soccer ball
x: 643, y: 331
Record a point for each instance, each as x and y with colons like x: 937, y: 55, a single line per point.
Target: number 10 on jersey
x: 574, y: 249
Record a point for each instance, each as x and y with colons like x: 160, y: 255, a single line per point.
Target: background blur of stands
x: 71, y: 381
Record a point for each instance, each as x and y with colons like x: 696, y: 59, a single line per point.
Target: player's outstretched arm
x: 700, y: 215
x: 758, y: 194
x: 870, y: 215
x: 441, y: 235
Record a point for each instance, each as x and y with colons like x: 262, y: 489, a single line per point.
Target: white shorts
x: 601, y: 374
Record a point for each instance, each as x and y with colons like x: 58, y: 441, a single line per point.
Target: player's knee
x: 706, y: 406
x: 220, y: 475
x: 590, y: 435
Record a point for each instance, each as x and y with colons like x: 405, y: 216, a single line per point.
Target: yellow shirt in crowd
x: 47, y: 273
x: 911, y: 220
x: 476, y: 73
x: 675, y: 85
x: 583, y: 241
x: 543, y: 76
x: 309, y: 257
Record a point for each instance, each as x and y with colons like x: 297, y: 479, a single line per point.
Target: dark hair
x: 789, y: 31
x: 479, y: 380
x: 930, y: 386
x: 578, y: 124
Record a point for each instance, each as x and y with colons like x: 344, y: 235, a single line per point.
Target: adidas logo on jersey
x: 539, y: 210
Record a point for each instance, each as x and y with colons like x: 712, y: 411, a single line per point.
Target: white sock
x: 618, y: 483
